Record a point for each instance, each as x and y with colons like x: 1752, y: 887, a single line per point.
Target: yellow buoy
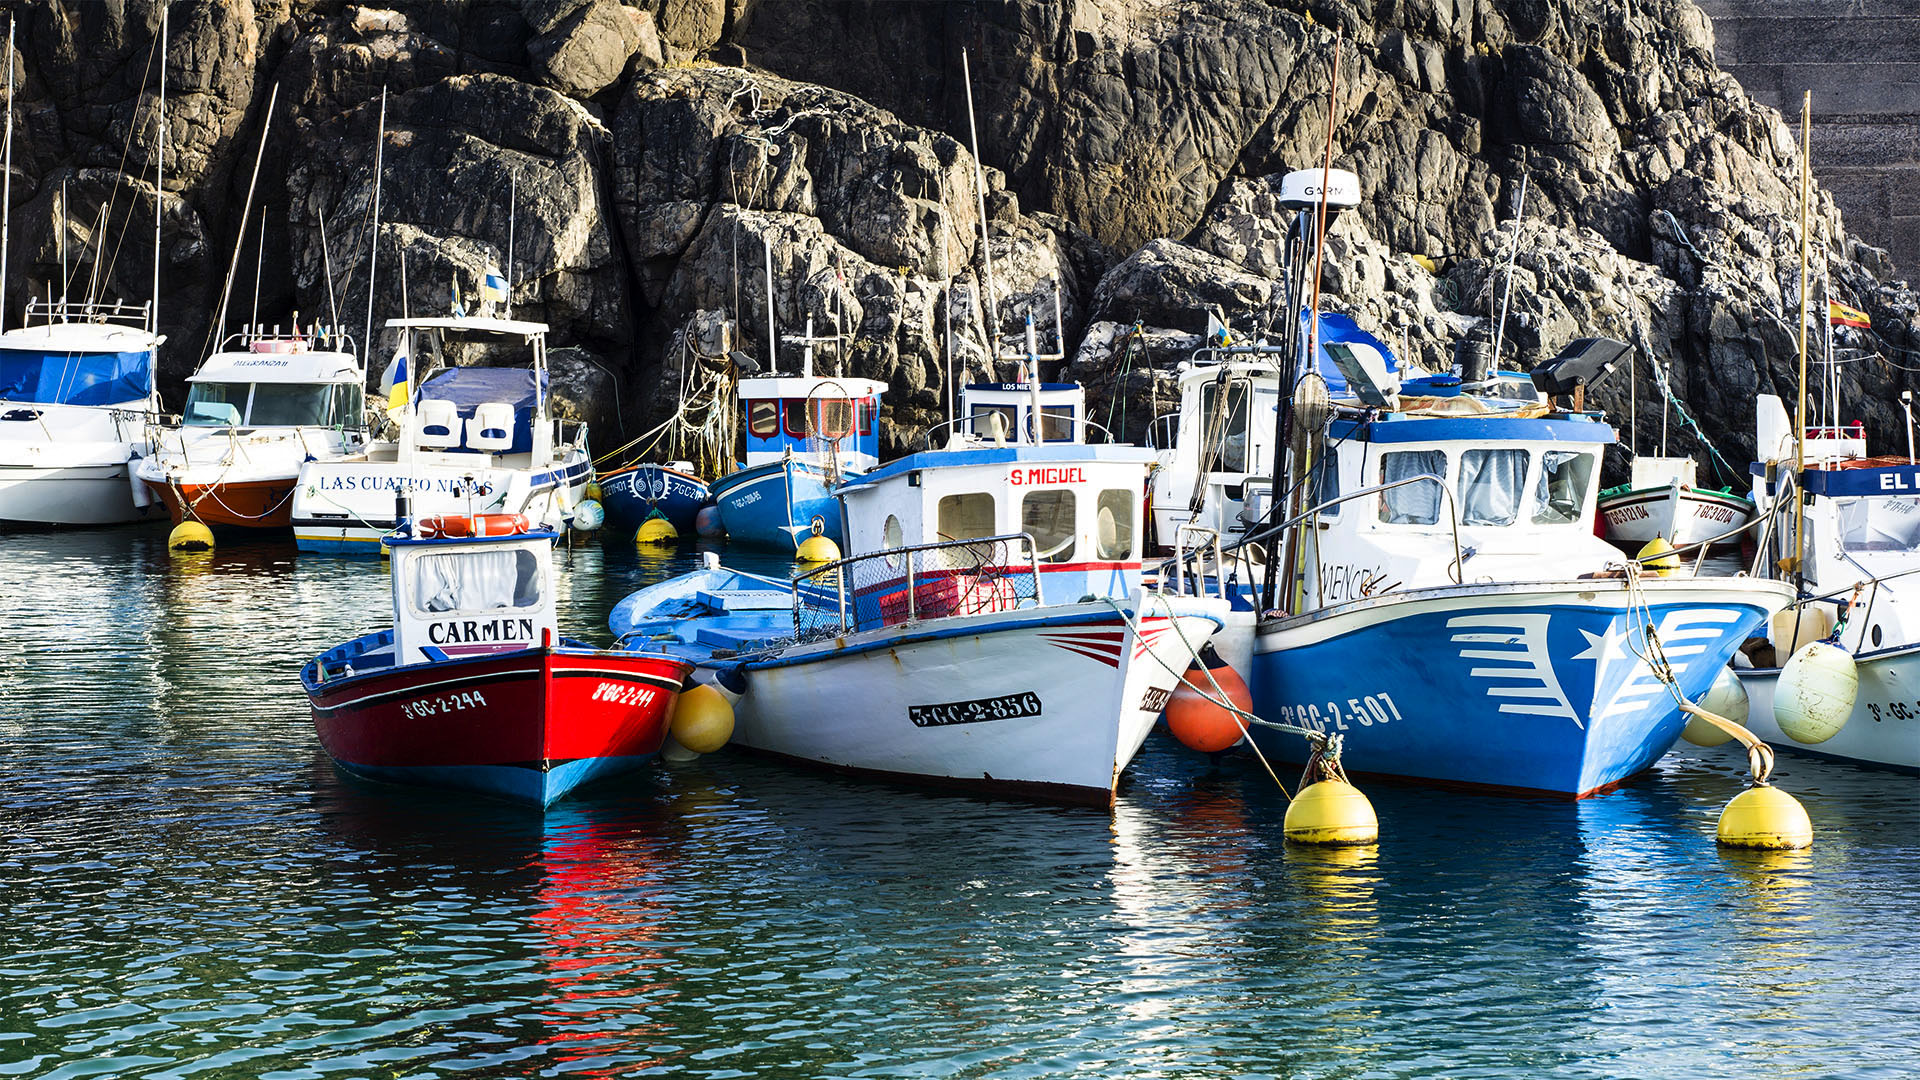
x: 1727, y: 699
x: 1658, y: 557
x: 1765, y: 817
x: 702, y: 720
x: 594, y: 492
x: 1815, y: 694
x: 190, y: 535
x: 1331, y: 812
x: 820, y: 549
x: 656, y: 530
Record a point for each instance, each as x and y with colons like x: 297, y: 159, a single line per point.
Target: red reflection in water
x: 601, y: 913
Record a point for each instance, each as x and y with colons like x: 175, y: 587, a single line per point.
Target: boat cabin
x: 77, y: 355
x: 269, y: 379
x: 806, y: 416
x: 460, y: 413
x: 1003, y: 412
x: 1514, y: 482
x: 457, y: 598
x: 1080, y: 503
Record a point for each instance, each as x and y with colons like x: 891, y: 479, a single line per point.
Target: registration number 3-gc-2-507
x: 1355, y: 712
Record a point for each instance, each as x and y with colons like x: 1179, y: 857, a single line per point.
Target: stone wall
x: 1861, y: 60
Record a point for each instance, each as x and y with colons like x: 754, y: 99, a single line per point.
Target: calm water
x: 190, y: 889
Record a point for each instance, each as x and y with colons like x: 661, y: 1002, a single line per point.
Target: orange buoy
x: 461, y: 526
x: 1197, y: 722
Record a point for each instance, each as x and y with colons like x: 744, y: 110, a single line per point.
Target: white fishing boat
x: 1859, y: 579
x: 76, y: 399
x: 801, y: 436
x: 1664, y: 499
x: 471, y: 441
x: 257, y: 411
x: 992, y: 634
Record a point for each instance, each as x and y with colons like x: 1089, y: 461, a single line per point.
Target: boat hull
x: 99, y: 494
x: 529, y: 725
x: 777, y: 505
x: 1524, y: 688
x: 1048, y: 704
x: 1684, y: 516
x: 632, y: 495
x: 255, y: 504
x: 346, y: 507
x: 1882, y: 732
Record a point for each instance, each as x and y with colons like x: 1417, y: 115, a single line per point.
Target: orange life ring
x: 460, y: 526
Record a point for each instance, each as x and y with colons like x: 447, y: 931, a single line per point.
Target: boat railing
x: 1204, y: 551
x: 1313, y: 513
x: 908, y: 584
x: 263, y: 339
x: 88, y: 311
x: 1082, y: 422
x: 1171, y: 423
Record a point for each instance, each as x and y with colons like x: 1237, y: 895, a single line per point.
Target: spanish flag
x: 1839, y: 314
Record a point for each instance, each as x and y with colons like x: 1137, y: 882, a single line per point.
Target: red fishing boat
x: 472, y: 688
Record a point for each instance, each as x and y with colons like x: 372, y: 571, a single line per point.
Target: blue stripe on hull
x: 775, y: 505
x: 1548, y: 698
x: 521, y: 784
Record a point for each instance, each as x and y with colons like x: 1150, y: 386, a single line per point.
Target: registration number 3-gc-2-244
x: 1356, y: 712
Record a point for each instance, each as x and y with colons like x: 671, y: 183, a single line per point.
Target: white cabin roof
x: 800, y: 386
x: 473, y: 324
x: 80, y: 337
x: 321, y: 366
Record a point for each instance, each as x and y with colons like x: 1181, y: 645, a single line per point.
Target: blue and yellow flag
x: 493, y: 286
x: 394, y: 382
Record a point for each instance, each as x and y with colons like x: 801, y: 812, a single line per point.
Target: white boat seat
x: 491, y: 428
x: 439, y: 423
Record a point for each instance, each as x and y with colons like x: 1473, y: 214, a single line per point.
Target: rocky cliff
x: 643, y: 168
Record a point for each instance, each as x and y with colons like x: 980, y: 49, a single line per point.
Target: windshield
x: 291, y: 405
x: 214, y: 404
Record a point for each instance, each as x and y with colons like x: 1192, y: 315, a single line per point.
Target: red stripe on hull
x: 530, y: 709
x: 258, y: 504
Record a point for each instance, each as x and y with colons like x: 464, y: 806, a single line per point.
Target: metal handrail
x: 838, y: 569
x: 1453, y: 515
x: 1210, y: 542
x: 87, y: 311
x: 969, y: 420
x: 1173, y: 430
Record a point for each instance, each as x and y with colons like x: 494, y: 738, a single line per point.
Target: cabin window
x: 349, y: 405
x: 1561, y: 493
x: 986, y: 427
x: 1879, y: 523
x: 821, y: 418
x: 795, y: 411
x: 1056, y: 423
x: 215, y: 404
x: 966, y: 517
x: 1225, y: 425
x: 1417, y: 503
x: 476, y: 581
x: 763, y: 419
x: 1113, y: 529
x: 1048, y: 517
x: 866, y: 411
x: 892, y: 538
x: 290, y: 405
x: 1491, y: 483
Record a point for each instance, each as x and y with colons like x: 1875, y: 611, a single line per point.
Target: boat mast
x: 773, y: 343
x: 159, y: 189
x: 991, y: 308
x: 1792, y: 562
x: 507, y: 271
x: 6, y: 184
x: 246, y: 211
x: 373, y: 248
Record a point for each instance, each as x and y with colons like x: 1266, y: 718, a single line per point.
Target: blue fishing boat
x: 1428, y: 597
x: 803, y: 436
x: 673, y: 490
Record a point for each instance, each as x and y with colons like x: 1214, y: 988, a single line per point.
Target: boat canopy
x: 467, y: 388
x: 60, y: 377
x: 279, y: 367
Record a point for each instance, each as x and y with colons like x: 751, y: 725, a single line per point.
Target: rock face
x: 1585, y: 165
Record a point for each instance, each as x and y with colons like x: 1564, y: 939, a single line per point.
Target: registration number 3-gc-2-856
x: 1356, y: 712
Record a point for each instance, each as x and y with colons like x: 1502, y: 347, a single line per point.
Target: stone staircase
x: 1861, y: 60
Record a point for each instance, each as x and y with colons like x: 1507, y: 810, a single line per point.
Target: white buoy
x: 1815, y: 693
x: 1727, y: 699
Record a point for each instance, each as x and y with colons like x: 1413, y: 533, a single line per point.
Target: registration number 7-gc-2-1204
x: 1377, y: 708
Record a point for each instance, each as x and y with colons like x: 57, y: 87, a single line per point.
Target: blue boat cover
x: 53, y: 377
x: 468, y: 387
x: 1337, y: 327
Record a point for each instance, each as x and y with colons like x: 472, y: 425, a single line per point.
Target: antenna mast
x: 159, y: 186
x: 991, y: 307
x: 373, y: 247
x: 6, y: 184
